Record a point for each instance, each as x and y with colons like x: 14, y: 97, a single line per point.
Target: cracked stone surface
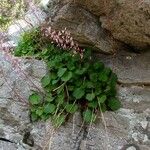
x: 126, y: 129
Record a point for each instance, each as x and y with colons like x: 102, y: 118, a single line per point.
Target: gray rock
x: 126, y: 21
x: 117, y: 22
x: 96, y: 7
x: 85, y: 28
x: 131, y: 68
x: 8, y: 45
x: 16, y: 85
x: 7, y: 146
x: 129, y: 22
x: 117, y: 130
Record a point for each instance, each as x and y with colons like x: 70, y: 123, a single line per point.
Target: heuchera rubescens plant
x: 74, y: 80
x: 62, y: 39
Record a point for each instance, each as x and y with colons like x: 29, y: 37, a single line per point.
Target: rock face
x: 128, y: 128
x: 102, y: 25
x: 96, y: 7
x: 128, y: 66
x: 84, y: 27
x: 127, y: 21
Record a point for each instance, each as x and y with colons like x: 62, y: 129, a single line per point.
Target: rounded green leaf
x: 93, y: 104
x: 33, y: 109
x: 71, y: 66
x: 49, y: 98
x: 67, y: 76
x: 53, y: 75
x: 71, y: 108
x: 78, y: 82
x: 60, y: 98
x: 45, y: 80
x: 55, y: 81
x: 103, y: 77
x: 90, y: 96
x: 102, y: 99
x: 49, y: 108
x: 34, y: 117
x: 35, y: 98
x: 98, y: 91
x: 107, y: 71
x: 113, y: 78
x: 98, y: 65
x: 80, y: 71
x: 39, y: 111
x: 114, y: 104
x: 89, y: 84
x: 93, y: 77
x: 61, y: 71
x: 78, y: 93
x: 88, y: 116
x: 45, y: 116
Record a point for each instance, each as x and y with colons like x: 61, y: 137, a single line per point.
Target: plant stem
x: 67, y: 92
x: 59, y: 87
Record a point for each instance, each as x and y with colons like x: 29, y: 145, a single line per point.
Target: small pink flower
x: 62, y: 39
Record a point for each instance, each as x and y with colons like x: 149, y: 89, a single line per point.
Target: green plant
x: 11, y: 10
x: 71, y: 83
x: 30, y: 44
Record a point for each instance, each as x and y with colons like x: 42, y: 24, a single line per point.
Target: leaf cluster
x: 71, y: 84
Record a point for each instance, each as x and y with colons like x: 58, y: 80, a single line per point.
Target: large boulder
x: 84, y: 27
x: 127, y: 21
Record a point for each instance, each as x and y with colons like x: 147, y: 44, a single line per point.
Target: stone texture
x: 96, y: 7
x: 128, y: 128
x: 131, y: 68
x: 15, y: 87
x: 126, y: 21
x: 129, y: 22
x: 84, y: 27
x: 7, y: 146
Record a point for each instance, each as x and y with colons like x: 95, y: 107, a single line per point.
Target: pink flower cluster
x: 62, y: 39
